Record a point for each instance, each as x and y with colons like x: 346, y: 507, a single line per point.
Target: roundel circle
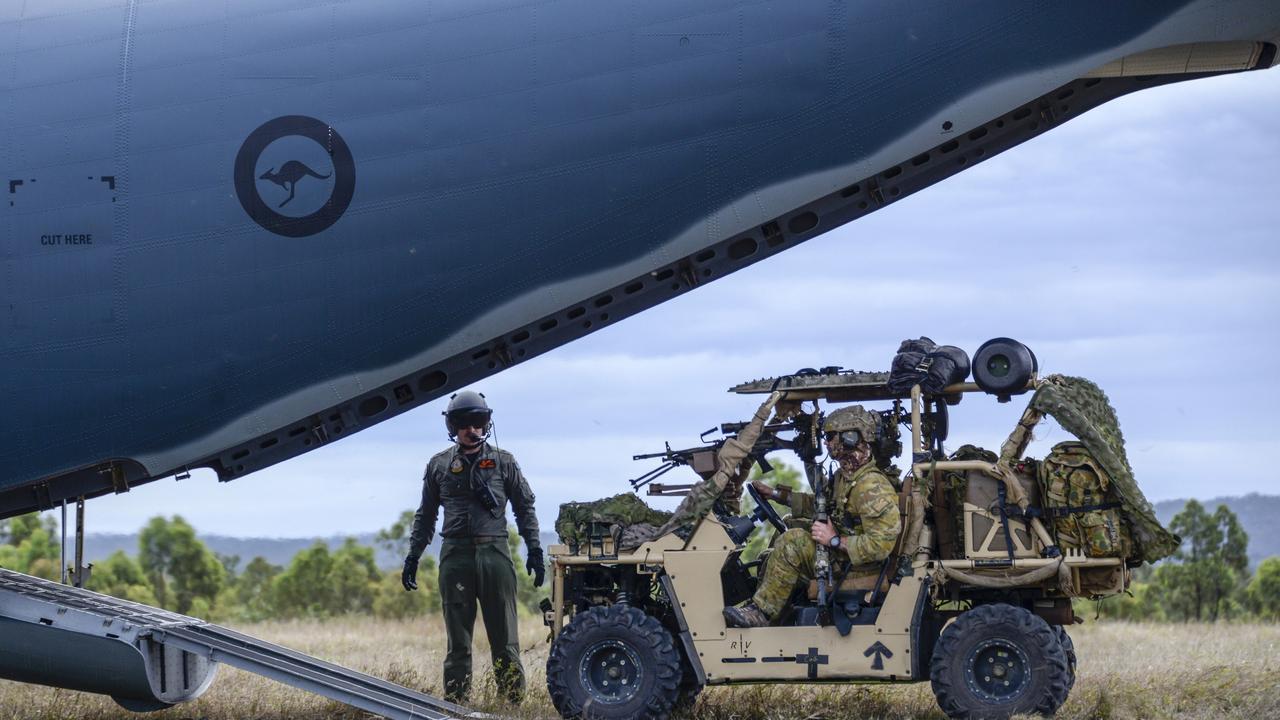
x: 282, y: 169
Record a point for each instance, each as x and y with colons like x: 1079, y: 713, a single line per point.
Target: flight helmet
x: 467, y: 409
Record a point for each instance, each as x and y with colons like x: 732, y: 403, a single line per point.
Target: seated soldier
x: 863, y: 505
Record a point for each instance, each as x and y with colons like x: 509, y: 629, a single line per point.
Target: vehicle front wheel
x: 998, y: 660
x: 614, y: 662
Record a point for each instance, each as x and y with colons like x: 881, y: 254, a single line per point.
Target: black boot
x: 747, y: 616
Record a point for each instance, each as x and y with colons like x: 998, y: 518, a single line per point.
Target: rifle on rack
x: 702, y: 459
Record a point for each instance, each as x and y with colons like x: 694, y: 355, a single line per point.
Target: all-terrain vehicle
x: 975, y: 597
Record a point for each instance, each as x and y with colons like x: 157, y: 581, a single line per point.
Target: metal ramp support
x: 304, y: 672
x: 147, y: 658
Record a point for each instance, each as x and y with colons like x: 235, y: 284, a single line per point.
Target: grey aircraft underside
x: 236, y: 230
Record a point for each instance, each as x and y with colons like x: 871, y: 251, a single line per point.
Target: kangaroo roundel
x: 295, y: 176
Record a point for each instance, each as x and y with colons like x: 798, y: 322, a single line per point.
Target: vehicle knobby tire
x: 1068, y: 649
x: 998, y: 660
x: 612, y: 663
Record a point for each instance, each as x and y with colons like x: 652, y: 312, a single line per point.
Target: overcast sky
x: 1136, y: 246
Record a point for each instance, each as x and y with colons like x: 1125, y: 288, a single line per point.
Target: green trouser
x: 790, y: 564
x: 471, y: 570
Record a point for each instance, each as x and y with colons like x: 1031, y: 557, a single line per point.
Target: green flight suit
x: 475, y: 563
x: 865, y: 514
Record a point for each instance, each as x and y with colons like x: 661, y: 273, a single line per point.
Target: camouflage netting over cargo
x: 1083, y: 410
x: 621, y: 516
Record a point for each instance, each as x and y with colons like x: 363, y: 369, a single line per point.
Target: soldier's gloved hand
x: 536, y: 566
x: 409, y: 576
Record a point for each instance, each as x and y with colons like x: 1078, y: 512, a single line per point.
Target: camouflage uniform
x: 475, y: 563
x: 865, y: 514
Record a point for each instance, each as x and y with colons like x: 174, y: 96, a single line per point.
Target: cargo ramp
x: 148, y: 659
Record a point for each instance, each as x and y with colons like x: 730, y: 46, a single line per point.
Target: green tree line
x: 1207, y: 579
x: 175, y: 570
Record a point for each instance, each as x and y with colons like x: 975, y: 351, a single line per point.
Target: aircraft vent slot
x: 920, y: 159
x: 802, y: 223
x: 743, y: 248
x: 432, y: 381
x: 981, y: 132
x: 1066, y: 94
x: 1019, y: 114
x: 603, y: 300
x: 577, y: 312
x: 164, y: 671
x: 404, y: 394
x: 479, y: 353
x: 520, y: 337
x: 548, y: 324
x: 893, y: 172
x: 633, y: 288
x: 46, y: 621
x: 371, y: 406
x: 335, y: 417
x: 297, y: 431
x: 664, y: 275
x: 851, y: 191
x: 949, y: 146
x: 269, y: 442
x: 705, y: 255
x: 239, y: 454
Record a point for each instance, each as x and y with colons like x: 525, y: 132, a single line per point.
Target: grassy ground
x: 1126, y: 671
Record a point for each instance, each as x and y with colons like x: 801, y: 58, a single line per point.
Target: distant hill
x: 278, y: 551
x: 1259, y: 514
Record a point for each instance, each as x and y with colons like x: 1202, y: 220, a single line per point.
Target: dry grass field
x: 1126, y: 671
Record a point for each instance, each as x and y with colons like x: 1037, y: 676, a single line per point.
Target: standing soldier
x: 864, y: 508
x: 473, y: 481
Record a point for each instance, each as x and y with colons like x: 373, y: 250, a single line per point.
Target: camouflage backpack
x: 1084, y: 507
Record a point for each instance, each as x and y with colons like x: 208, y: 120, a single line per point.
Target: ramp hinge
x: 119, y: 482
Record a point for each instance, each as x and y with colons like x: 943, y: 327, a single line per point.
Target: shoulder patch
x: 456, y: 466
x: 488, y: 464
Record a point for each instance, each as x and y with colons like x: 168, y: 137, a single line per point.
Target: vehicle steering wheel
x: 764, y: 511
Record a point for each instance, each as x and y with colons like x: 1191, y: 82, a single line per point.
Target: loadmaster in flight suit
x: 473, y: 481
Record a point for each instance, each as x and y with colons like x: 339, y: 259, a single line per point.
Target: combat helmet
x: 850, y: 420
x: 466, y: 408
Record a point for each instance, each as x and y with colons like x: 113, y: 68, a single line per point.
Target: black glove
x: 409, y: 576
x: 536, y: 566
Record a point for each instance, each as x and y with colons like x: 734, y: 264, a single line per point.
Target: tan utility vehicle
x: 974, y: 598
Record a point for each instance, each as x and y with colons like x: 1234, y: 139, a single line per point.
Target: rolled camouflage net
x: 1083, y: 410
x: 703, y: 495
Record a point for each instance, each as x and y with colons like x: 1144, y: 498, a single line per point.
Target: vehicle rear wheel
x: 998, y: 660
x: 614, y: 662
